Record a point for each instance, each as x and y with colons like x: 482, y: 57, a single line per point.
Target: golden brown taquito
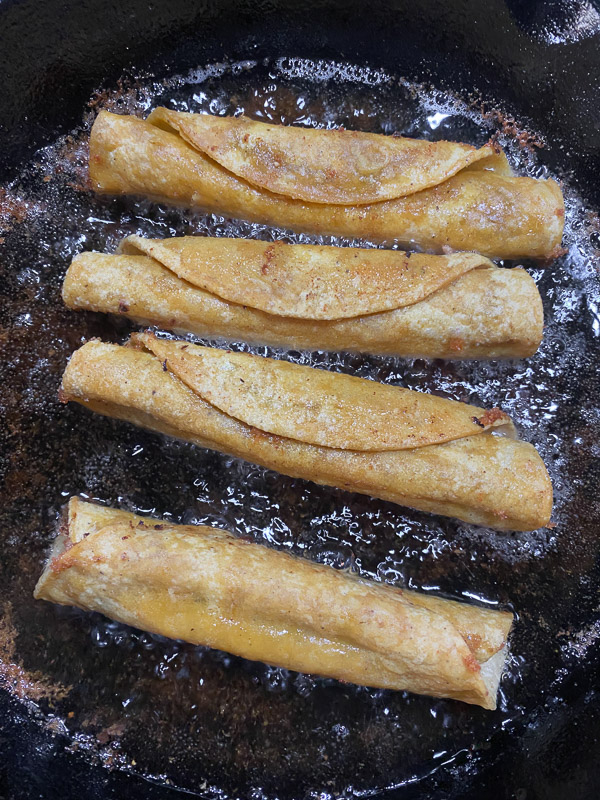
x: 311, y: 297
x: 433, y: 195
x: 411, y: 448
x: 208, y: 587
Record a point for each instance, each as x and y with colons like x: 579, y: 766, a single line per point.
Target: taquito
x: 310, y: 297
x: 387, y: 189
x: 205, y: 586
x: 411, y: 448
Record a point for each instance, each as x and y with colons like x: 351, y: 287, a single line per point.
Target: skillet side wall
x: 485, y: 48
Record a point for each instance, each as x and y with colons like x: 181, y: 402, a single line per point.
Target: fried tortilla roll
x: 307, y: 297
x: 382, y: 188
x: 411, y: 448
x: 208, y: 587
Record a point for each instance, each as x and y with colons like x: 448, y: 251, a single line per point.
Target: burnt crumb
x: 185, y: 346
x: 478, y: 422
x: 164, y: 365
x: 494, y: 143
x: 510, y: 127
x: 74, y: 163
x: 159, y: 527
x: 103, y: 737
x: 130, y: 97
x: 13, y: 210
x: 123, y: 307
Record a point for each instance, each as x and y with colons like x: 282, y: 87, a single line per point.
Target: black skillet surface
x: 88, y: 706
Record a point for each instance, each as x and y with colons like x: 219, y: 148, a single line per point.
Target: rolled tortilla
x: 384, y: 189
x: 208, y: 587
x: 308, y: 297
x: 411, y: 448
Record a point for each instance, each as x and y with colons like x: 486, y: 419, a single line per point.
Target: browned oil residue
x: 23, y: 684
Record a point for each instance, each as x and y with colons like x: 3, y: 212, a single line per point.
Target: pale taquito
x: 385, y: 302
x: 205, y: 586
x: 383, y: 188
x: 411, y: 448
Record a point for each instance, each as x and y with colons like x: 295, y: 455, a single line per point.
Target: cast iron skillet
x: 79, y: 696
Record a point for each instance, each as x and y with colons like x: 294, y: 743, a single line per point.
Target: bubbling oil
x: 201, y: 718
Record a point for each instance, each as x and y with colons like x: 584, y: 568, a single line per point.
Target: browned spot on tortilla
x: 456, y: 344
x: 123, y: 307
x: 490, y: 416
x: 555, y: 253
x: 269, y: 256
x: 474, y: 641
x: 63, y: 561
x: 256, y: 433
x: 471, y: 663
